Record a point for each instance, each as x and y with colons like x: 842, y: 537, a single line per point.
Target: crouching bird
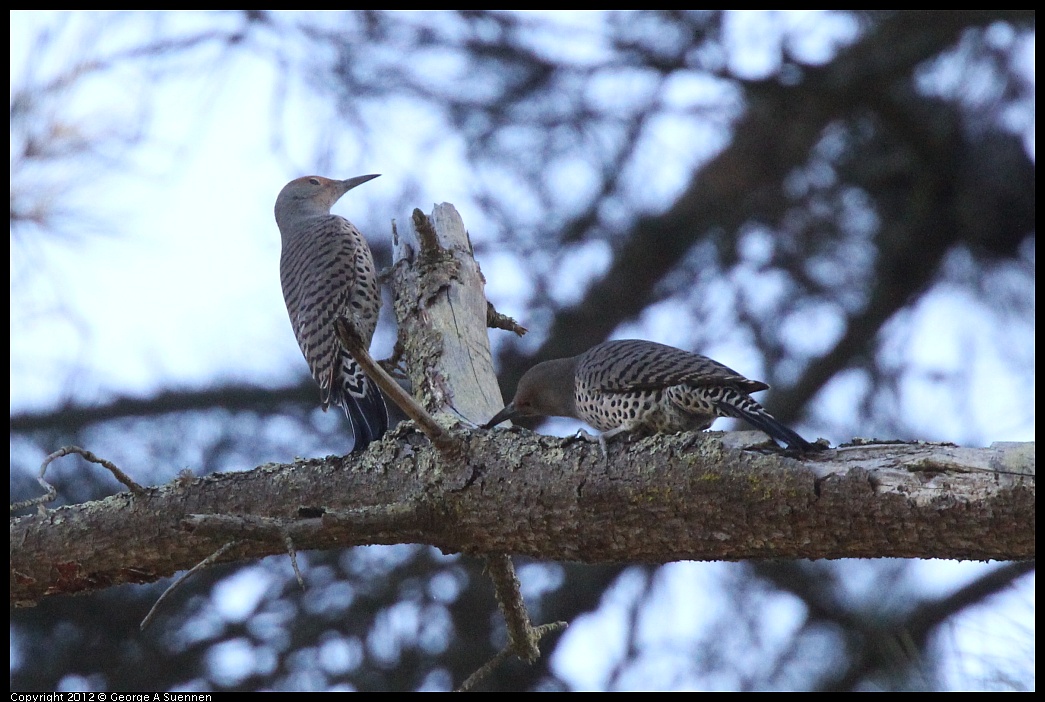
x: 643, y: 387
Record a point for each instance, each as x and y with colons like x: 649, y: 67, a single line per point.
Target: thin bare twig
x: 503, y: 655
x: 209, y: 560
x: 523, y: 638
x: 496, y: 320
x: 509, y: 597
x: 293, y: 553
x: 52, y: 493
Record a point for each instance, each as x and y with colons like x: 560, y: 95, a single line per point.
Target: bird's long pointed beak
x: 507, y: 413
x: 350, y: 183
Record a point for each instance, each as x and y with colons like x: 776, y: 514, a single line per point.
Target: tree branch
x: 661, y: 499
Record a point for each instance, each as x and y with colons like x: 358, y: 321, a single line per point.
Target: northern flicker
x: 645, y: 387
x: 327, y: 271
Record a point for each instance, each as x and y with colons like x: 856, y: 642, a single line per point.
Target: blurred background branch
x: 838, y: 203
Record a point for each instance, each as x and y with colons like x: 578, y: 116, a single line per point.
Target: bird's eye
x: 313, y: 181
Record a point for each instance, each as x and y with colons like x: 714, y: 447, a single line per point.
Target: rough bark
x: 656, y: 500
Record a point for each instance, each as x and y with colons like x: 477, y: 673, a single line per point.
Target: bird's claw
x: 582, y: 435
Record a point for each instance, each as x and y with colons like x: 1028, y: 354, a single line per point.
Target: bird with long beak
x: 643, y: 387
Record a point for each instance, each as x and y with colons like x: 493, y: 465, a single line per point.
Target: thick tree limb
x: 656, y: 500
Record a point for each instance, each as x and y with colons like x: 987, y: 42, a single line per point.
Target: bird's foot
x: 396, y: 370
x: 582, y: 435
x: 393, y: 365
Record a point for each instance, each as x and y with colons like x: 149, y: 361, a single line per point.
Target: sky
x: 174, y: 281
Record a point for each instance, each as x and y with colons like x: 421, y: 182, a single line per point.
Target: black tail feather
x: 368, y: 415
x: 762, y: 420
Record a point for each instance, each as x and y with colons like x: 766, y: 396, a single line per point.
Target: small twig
x: 496, y: 320
x: 209, y: 560
x: 503, y: 655
x: 442, y: 440
x: 485, y: 669
x: 397, y: 517
x: 248, y: 527
x: 119, y: 474
x: 523, y: 638
x: 48, y: 496
x: 52, y: 493
x: 509, y: 598
x: 400, y: 518
x: 292, y: 552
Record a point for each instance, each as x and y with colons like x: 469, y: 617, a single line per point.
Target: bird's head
x: 547, y: 390
x: 312, y: 196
